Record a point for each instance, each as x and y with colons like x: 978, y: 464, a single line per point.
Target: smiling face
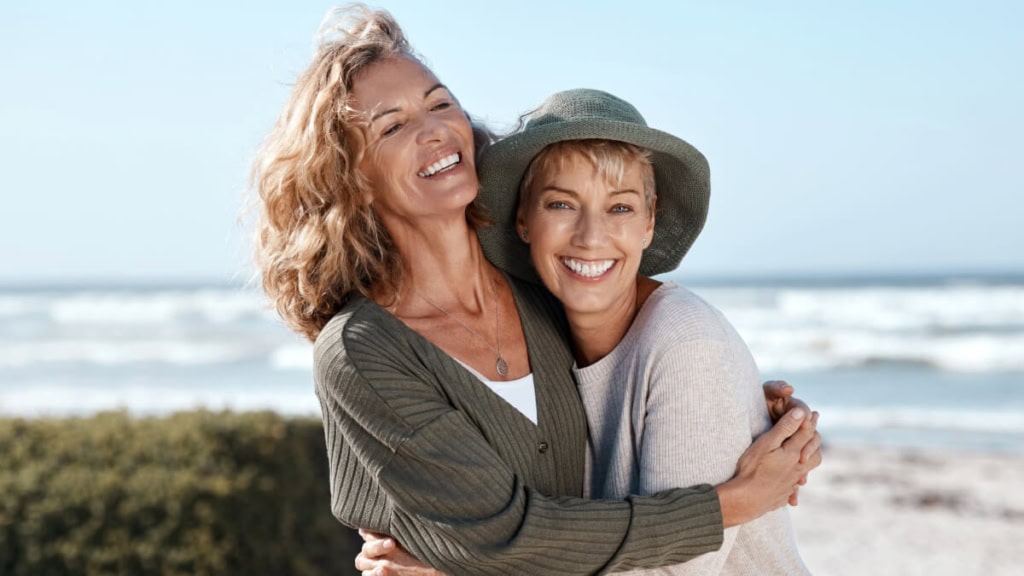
x: 586, y: 229
x: 419, y: 149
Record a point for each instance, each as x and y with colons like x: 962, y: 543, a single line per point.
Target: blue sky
x: 862, y: 138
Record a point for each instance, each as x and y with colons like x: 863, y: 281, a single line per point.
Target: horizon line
x: 757, y: 277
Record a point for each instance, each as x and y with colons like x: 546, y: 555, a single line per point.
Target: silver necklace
x: 501, y: 366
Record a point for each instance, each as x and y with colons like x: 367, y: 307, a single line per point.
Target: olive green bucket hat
x: 682, y: 177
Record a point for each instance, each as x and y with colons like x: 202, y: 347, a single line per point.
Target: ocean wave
x: 819, y: 349
x: 955, y: 328
x: 960, y: 328
x: 982, y: 421
x: 292, y: 357
x: 899, y: 310
x: 214, y: 306
x: 14, y: 306
x: 59, y: 400
x: 122, y: 352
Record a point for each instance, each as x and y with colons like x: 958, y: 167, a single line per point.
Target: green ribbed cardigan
x: 420, y: 449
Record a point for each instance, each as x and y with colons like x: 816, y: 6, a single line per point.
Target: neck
x: 596, y: 334
x: 443, y: 259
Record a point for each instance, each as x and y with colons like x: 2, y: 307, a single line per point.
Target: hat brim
x: 682, y: 184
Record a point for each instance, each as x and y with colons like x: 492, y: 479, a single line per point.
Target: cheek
x: 626, y: 234
x: 548, y: 230
x: 388, y: 178
x: 464, y: 127
x: 373, y: 163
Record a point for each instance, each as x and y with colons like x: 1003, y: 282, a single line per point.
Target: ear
x: 367, y: 199
x: 650, y: 221
x: 366, y: 193
x: 521, y: 231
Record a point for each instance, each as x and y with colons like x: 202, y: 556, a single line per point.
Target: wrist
x: 733, y: 502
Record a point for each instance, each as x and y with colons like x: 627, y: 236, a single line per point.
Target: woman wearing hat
x: 367, y: 245
x: 671, y: 392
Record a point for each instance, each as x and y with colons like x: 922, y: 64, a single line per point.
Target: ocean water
x: 930, y: 362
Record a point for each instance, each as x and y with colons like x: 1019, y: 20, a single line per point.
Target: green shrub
x: 196, y: 493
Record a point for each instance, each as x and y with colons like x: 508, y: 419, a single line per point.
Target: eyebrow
x: 625, y: 191
x: 575, y: 194
x: 429, y: 91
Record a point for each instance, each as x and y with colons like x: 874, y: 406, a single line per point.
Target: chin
x: 584, y: 303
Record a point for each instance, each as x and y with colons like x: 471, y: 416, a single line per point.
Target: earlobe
x: 521, y: 229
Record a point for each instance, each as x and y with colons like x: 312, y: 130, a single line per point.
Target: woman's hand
x: 382, y: 556
x: 771, y: 469
x: 778, y: 395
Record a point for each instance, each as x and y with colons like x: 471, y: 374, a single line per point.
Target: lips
x: 442, y: 165
x: 588, y: 268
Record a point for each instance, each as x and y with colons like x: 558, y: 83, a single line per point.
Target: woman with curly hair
x: 450, y: 413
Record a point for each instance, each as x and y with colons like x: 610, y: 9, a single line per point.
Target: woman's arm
x: 454, y: 502
x: 758, y: 479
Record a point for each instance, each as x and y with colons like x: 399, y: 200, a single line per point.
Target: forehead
x: 391, y: 82
x: 573, y: 167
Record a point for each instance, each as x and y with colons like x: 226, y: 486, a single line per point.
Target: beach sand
x: 904, y: 512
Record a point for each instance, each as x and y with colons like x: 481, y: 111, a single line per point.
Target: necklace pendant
x: 501, y: 366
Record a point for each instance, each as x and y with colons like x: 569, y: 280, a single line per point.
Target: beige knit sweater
x: 676, y: 403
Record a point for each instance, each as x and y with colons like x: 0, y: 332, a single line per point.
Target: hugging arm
x: 763, y: 477
x: 455, y: 503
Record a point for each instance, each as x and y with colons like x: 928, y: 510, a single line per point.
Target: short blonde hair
x: 318, y: 241
x: 608, y: 157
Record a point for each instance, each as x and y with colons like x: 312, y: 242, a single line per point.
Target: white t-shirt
x: 520, y: 393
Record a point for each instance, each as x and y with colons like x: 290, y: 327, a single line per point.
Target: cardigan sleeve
x: 458, y: 506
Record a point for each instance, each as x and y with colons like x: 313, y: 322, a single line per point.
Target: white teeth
x: 588, y: 269
x: 443, y: 163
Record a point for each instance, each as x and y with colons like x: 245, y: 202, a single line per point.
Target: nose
x: 591, y: 229
x: 431, y: 129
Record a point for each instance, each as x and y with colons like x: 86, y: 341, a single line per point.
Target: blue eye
x: 622, y: 209
x: 558, y: 205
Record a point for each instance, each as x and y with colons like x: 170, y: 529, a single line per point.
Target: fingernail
x: 388, y: 544
x: 797, y: 413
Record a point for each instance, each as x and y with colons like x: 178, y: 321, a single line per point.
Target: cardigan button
x: 542, y: 447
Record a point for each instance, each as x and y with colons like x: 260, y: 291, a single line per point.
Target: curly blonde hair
x: 318, y: 241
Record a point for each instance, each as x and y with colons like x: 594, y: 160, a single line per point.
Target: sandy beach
x: 904, y: 512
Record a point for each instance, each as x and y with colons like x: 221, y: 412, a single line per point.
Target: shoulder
x: 353, y: 322
x: 679, y: 315
x: 349, y: 387
x: 365, y: 347
x: 372, y: 368
x: 363, y: 333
